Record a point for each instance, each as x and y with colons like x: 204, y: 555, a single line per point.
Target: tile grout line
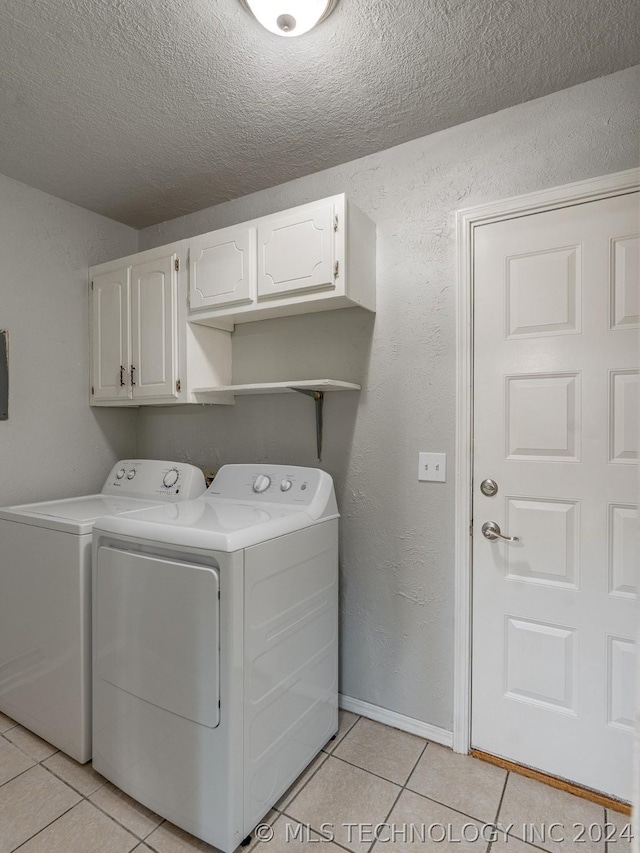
x: 83, y: 797
x: 411, y: 790
x: 403, y: 788
x: 295, y: 796
x: 55, y: 820
x: 504, y: 788
x: 328, y: 754
x: 323, y: 837
x: 66, y: 782
x: 23, y: 751
x: 535, y: 847
x: 122, y: 825
x: 382, y: 778
x: 18, y: 775
x: 344, y: 736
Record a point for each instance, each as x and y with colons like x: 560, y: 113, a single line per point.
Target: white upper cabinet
x: 161, y: 320
x: 110, y: 334
x: 222, y: 268
x: 153, y: 327
x: 314, y: 257
x: 143, y: 350
x: 296, y: 252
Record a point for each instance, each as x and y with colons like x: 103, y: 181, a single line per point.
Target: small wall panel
x: 623, y: 415
x: 625, y: 275
x: 624, y: 550
x: 543, y: 293
x: 543, y: 417
x: 540, y: 665
x: 621, y: 664
x: 548, y: 552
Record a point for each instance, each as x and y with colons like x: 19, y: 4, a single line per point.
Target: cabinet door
x: 296, y: 252
x: 153, y: 328
x: 110, y: 336
x: 222, y: 268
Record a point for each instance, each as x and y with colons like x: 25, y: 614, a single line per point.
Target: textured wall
x: 53, y: 444
x: 397, y: 534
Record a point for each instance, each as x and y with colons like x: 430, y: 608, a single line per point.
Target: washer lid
x: 73, y: 515
x: 208, y: 523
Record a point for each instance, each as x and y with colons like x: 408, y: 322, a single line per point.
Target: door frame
x: 467, y: 220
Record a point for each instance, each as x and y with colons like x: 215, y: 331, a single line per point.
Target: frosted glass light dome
x: 289, y: 17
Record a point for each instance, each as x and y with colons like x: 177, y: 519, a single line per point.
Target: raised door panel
x: 222, y: 268
x: 110, y: 335
x: 296, y: 253
x: 153, y: 332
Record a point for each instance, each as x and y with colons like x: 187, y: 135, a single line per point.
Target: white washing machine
x: 215, y: 678
x: 45, y: 597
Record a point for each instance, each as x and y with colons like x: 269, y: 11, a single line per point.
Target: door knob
x: 491, y: 531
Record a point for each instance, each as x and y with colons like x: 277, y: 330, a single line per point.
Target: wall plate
x: 432, y: 467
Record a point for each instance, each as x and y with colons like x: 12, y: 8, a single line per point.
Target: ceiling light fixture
x: 289, y: 17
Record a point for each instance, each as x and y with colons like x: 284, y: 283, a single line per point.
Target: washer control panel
x: 273, y: 484
x: 154, y: 479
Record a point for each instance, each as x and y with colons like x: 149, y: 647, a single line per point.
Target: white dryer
x: 215, y: 678
x: 45, y: 597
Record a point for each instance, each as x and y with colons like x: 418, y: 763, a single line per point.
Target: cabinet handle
x: 122, y: 383
x: 133, y: 378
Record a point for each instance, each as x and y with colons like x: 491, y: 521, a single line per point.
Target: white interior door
x: 556, y: 427
x: 110, y: 335
x: 153, y: 327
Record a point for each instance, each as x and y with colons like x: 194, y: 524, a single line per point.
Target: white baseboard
x: 398, y: 721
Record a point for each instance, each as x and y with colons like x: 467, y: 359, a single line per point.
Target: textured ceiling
x: 147, y: 109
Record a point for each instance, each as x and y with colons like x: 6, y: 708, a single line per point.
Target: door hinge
x: 176, y: 264
x: 335, y: 222
x: 336, y: 269
x: 178, y: 385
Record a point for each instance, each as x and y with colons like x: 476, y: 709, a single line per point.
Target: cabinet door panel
x: 222, y: 268
x: 110, y: 335
x: 295, y: 253
x: 153, y: 323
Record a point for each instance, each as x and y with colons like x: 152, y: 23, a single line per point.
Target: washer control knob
x: 285, y: 485
x: 170, y: 478
x: 261, y: 483
x: 120, y: 473
x: 131, y: 474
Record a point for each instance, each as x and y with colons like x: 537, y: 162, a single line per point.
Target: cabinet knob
x: 133, y: 377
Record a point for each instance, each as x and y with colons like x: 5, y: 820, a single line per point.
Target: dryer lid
x: 208, y: 523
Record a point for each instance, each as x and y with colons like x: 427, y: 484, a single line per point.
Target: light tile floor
x: 418, y: 794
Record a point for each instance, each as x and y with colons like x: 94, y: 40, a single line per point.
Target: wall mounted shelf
x: 314, y: 388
